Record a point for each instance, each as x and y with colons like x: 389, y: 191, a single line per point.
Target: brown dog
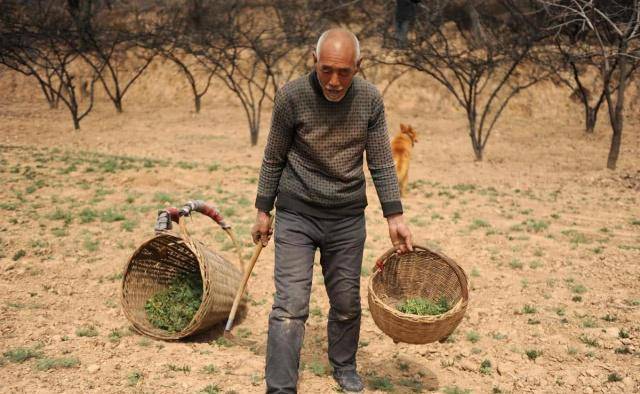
x: 401, y: 146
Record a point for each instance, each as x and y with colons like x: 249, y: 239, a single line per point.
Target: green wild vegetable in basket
x: 173, y: 308
x: 423, y: 306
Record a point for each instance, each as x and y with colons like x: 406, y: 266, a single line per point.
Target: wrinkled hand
x: 261, y: 230
x: 400, y: 234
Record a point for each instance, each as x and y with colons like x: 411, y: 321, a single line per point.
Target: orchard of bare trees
x: 484, y: 53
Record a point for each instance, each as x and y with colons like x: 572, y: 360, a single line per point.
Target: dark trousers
x: 341, y: 243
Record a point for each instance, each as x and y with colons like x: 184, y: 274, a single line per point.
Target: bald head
x: 337, y: 61
x: 339, y: 41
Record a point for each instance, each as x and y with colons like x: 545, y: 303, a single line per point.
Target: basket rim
x: 461, y: 305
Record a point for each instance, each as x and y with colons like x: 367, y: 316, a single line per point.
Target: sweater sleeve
x: 275, y: 152
x: 380, y: 161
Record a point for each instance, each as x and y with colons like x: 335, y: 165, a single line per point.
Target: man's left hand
x: 400, y: 234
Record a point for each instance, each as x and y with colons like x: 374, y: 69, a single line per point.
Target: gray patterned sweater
x: 313, y: 160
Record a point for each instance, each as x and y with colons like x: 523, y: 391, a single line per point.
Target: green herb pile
x: 173, y: 308
x: 423, y: 306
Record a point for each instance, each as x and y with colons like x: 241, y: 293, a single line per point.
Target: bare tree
x: 111, y: 40
x: 611, y: 33
x: 477, y: 56
x: 34, y: 39
x: 250, y: 54
x: 176, y: 27
x: 11, y: 28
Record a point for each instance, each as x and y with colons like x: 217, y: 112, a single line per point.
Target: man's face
x: 336, y: 68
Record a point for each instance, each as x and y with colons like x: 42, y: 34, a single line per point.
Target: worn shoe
x: 349, y: 380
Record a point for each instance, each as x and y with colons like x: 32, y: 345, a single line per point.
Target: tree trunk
x: 591, y: 116
x: 617, y: 119
x: 118, y: 103
x: 475, y: 144
x: 616, y: 140
x: 76, y: 122
x: 197, y: 101
x: 254, y: 135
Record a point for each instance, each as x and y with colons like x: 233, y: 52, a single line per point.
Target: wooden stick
x: 245, y: 279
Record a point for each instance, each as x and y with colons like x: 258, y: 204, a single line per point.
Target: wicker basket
x: 155, y: 264
x: 421, y: 273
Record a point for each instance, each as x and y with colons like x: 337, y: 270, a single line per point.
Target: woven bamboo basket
x: 422, y: 273
x: 159, y: 260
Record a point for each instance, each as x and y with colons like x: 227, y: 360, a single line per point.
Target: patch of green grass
x: 534, y: 264
x: 162, y: 197
x: 88, y: 215
x: 498, y: 336
x: 115, y: 335
x: 623, y: 350
x: 22, y: 354
x: 592, y: 342
x: 211, y: 389
x: 423, y: 306
x: 614, y: 377
x: 635, y: 222
x: 475, y: 273
x: 114, y: 277
x: 588, y: 322
x: 473, y: 336
x: 623, y: 334
x: 213, y: 167
x: 90, y: 245
x: 134, y: 378
x: 609, y: 317
x: 485, y: 367
x: 111, y: 215
x: 60, y: 214
x: 46, y: 364
x: 209, y: 369
x: 533, y: 354
x: 186, y: 165
x: 18, y: 255
x: 536, y: 226
x: 414, y: 385
x: 60, y: 232
x: 315, y: 311
x: 173, y: 308
x: 464, y: 187
x: 365, y: 271
x: 87, y: 331
x: 576, y: 237
x: 223, y: 342
x: 129, y: 225
x: 515, y: 264
x: 529, y: 309
x: 578, y: 289
x: 382, y: 383
x: 179, y: 368
x: 479, y: 223
x: 317, y: 368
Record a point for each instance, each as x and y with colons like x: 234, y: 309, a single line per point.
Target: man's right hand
x: 261, y: 230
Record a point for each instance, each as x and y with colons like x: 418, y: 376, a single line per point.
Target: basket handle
x: 462, y: 278
x: 167, y: 215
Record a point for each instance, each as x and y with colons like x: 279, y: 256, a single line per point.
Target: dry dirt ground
x: 549, y: 238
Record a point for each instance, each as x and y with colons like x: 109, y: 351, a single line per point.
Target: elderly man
x: 313, y: 169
